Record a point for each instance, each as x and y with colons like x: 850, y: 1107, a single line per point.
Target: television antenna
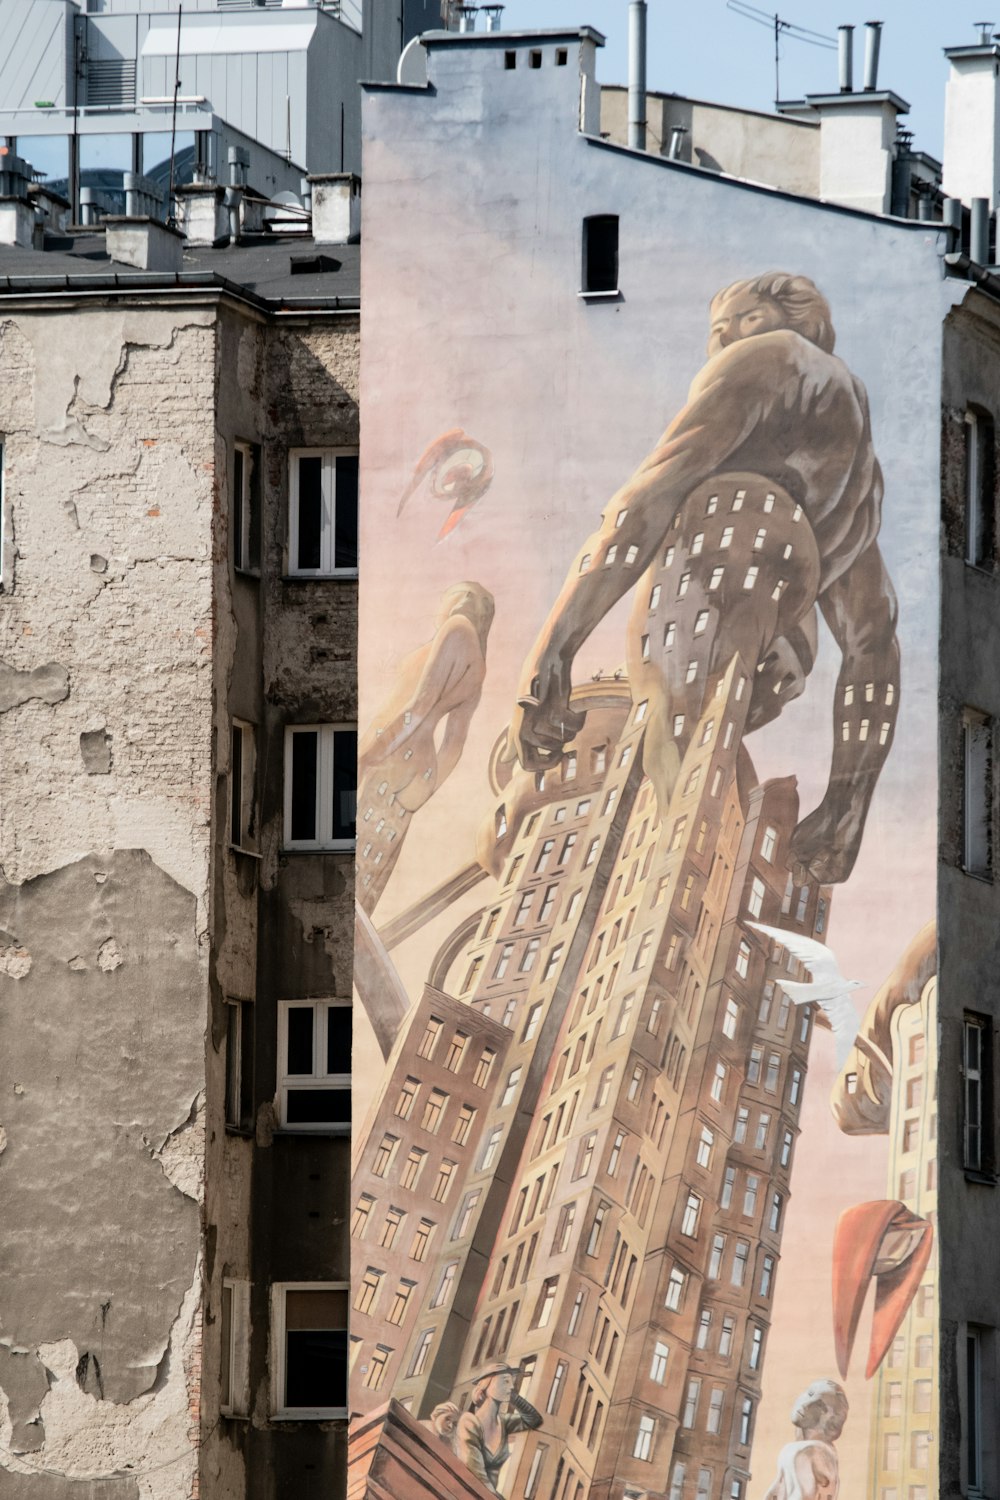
x: 780, y: 27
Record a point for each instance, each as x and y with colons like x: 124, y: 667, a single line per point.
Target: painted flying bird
x: 829, y: 989
x: 460, y: 470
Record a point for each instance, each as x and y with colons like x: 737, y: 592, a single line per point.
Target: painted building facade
x: 669, y: 1228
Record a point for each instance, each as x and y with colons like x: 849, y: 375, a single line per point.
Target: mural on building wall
x: 578, y: 1164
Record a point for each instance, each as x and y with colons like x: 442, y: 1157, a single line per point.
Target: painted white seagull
x: 829, y: 989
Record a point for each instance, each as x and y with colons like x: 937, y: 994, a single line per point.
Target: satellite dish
x: 285, y: 212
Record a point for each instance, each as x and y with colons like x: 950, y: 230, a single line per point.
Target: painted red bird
x: 460, y: 470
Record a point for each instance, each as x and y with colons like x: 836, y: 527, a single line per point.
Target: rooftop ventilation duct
x: 845, y: 52
x: 637, y: 74
x: 873, y: 42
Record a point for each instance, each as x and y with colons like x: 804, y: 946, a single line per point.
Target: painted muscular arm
x: 454, y: 654
x: 860, y: 609
x: 726, y: 403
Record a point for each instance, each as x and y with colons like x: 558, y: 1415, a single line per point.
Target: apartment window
x: 766, y: 1276
x: 644, y: 1438
x: 510, y: 1088
x: 755, y: 901
x: 246, y: 508
x: 596, y: 1227
x: 419, y: 1361
x: 323, y: 522
x: 977, y: 801
x: 692, y: 1209
x: 704, y: 1328
x: 691, y: 1403
x: 750, y: 1195
x: 491, y: 1149
x: 321, y: 786
x: 743, y: 959
x: 443, y: 1181
x: 368, y: 1290
x: 239, y: 1065
x: 421, y: 1239
x: 390, y: 1228
x: 361, y: 1215
x: 465, y: 1213
x: 677, y: 1480
x: 384, y: 1154
x: 556, y: 1388
x: 404, y: 1291
x: 234, y: 1368
x: 726, y: 1336
x: 756, y: 1347
x: 977, y: 1057
x: 463, y: 1125
x: 746, y: 1420
x: 564, y: 1228
x: 600, y: 253
x: 314, y: 1066
x: 546, y: 1302
x: 658, y: 1366
x: 979, y: 481
x: 531, y: 1484
x: 674, y: 1297
x: 706, y: 1141
x: 242, y: 781
x: 374, y: 1371
x: 433, y: 1111
x: 429, y: 1039
x: 309, y: 1349
x: 730, y: 1020
x: 456, y: 1051
x: 713, y: 1422
x: 768, y: 844
x: 718, y: 1250
x: 741, y: 1259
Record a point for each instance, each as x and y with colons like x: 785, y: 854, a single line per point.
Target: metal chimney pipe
x: 951, y: 217
x: 637, y: 74
x: 979, y: 231
x: 467, y: 18
x: 845, y: 50
x: 676, y: 142
x: 873, y: 41
x: 494, y: 17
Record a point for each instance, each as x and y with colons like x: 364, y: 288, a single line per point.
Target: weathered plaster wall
x: 105, y: 740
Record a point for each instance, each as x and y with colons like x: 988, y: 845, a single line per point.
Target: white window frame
x: 245, y: 541
x: 236, y: 1401
x: 279, y: 1411
x: 245, y: 838
x: 328, y: 532
x: 324, y: 786
x: 289, y: 1083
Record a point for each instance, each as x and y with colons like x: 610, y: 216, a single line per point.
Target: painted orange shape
x: 886, y: 1241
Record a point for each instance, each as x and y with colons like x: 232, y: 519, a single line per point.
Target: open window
x: 323, y: 519
x: 321, y: 786
x: 314, y: 1065
x: 246, y: 508
x: 239, y: 1064
x: 242, y: 788
x: 980, y: 546
x: 234, y: 1354
x: 309, y: 1350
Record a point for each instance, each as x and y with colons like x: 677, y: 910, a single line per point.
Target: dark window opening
x: 977, y: 1091
x: 562, y: 57
x: 310, y: 514
x: 305, y: 767
x: 346, y: 533
x: 239, y: 1064
x: 980, y: 480
x: 246, y: 508
x: 534, y: 59
x: 510, y: 60
x: 600, y: 253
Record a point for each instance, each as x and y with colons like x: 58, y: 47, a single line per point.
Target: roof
x: 278, y: 272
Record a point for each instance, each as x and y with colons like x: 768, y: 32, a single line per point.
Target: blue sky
x: 706, y: 50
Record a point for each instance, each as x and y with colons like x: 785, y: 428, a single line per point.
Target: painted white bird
x: 829, y: 989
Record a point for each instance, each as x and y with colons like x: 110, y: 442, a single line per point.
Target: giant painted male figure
x: 761, y: 501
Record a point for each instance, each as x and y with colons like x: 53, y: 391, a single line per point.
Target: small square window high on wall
x: 321, y: 782
x: 600, y: 253
x: 323, y: 513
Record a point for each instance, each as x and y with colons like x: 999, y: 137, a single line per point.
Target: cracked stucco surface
x: 102, y: 1168
x: 107, y: 418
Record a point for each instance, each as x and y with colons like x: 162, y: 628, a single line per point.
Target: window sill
x: 316, y: 1128
x: 984, y: 1179
x: 310, y: 1414
x: 985, y: 877
x: 347, y: 575
x: 246, y: 1133
x: 613, y: 296
x: 252, y: 575
x: 345, y: 846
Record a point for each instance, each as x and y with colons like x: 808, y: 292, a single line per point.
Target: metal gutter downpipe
x: 845, y: 50
x: 637, y: 75
x: 873, y: 41
x: 979, y: 231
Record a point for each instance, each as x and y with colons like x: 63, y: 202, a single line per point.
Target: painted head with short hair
x: 766, y: 303
x: 821, y: 1410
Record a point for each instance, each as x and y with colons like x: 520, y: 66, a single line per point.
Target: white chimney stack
x: 972, y: 123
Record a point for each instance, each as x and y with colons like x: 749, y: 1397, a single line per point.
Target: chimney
x: 873, y: 44
x: 202, y: 211
x: 336, y: 208
x: 17, y: 212
x: 147, y: 244
x: 637, y: 74
x: 857, y: 134
x: 972, y: 121
x: 845, y: 52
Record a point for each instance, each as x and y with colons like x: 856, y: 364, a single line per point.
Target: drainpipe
x: 637, y: 74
